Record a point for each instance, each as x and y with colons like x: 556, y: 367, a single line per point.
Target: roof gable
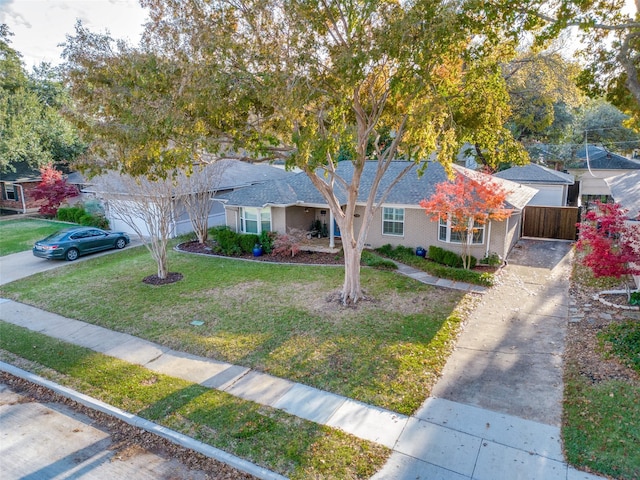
x: 534, y: 173
x: 410, y: 190
x: 602, y: 159
x: 625, y: 190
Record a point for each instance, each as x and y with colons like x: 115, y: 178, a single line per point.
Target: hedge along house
x: 294, y: 203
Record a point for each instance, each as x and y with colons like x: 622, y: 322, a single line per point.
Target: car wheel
x: 72, y: 254
x: 121, y: 243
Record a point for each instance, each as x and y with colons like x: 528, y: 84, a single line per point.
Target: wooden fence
x: 551, y: 222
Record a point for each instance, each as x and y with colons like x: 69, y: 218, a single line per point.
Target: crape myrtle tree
x: 305, y: 81
x: 147, y: 206
x: 467, y: 203
x: 196, y: 190
x: 611, y: 243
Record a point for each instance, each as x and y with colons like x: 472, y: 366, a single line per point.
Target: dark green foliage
x: 266, y: 240
x: 247, y: 242
x: 492, y: 260
x: 227, y: 241
x: 370, y: 259
x: 408, y: 256
x: 80, y: 216
x: 623, y: 341
x: 446, y: 257
x: 635, y: 298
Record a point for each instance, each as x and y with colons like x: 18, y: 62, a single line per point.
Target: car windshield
x: 55, y: 237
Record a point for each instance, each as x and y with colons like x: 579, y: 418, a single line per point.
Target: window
x: 9, y: 191
x: 255, y: 220
x: 393, y: 221
x: 449, y: 235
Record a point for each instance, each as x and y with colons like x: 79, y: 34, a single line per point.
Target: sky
x: 39, y: 26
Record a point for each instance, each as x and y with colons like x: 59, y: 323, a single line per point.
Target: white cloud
x: 41, y: 26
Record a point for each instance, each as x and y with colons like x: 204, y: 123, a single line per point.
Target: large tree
x: 308, y: 81
x: 33, y: 128
x: 611, y: 39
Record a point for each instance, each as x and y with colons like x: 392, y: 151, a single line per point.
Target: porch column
x: 332, y: 242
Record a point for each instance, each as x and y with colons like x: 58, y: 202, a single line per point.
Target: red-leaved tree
x: 467, y: 203
x: 612, y: 244
x: 53, y: 189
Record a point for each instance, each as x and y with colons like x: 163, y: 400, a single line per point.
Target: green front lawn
x: 289, y: 445
x: 280, y: 319
x: 19, y: 235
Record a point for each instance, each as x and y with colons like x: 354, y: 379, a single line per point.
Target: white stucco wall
x: 549, y: 195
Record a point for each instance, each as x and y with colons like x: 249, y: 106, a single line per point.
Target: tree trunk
x: 351, y: 290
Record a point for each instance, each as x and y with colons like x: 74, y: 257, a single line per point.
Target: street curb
x: 147, y: 425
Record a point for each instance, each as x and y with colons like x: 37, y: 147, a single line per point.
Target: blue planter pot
x: 421, y: 252
x: 257, y: 251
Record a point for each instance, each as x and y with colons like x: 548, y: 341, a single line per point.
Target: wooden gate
x: 551, y: 222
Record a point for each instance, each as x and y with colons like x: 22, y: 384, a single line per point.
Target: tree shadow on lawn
x: 386, y: 359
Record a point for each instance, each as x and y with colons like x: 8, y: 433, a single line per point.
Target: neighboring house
x: 625, y: 190
x: 294, y: 203
x: 17, y: 187
x: 593, y: 165
x: 552, y: 186
x: 235, y: 174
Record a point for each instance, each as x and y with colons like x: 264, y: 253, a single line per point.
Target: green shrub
x: 227, y: 241
x: 247, y: 241
x: 86, y: 220
x: 635, y: 298
x: 80, y: 216
x: 451, y: 259
x: 493, y: 260
x: 266, y: 240
x: 370, y: 259
x: 407, y: 256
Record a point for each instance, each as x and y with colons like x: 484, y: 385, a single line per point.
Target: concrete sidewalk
x: 494, y: 414
x: 444, y: 439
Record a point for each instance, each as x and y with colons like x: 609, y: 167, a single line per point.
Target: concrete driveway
x: 24, y: 264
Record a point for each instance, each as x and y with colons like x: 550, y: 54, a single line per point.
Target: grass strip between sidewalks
x: 273, y: 439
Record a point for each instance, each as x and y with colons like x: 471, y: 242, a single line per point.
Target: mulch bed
x: 172, y: 277
x: 587, y: 318
x: 302, y: 257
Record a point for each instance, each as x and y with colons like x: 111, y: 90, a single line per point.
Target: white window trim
x: 258, y: 212
x: 9, y: 188
x: 404, y: 216
x: 449, y: 230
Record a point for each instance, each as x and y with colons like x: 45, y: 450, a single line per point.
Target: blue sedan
x: 70, y: 243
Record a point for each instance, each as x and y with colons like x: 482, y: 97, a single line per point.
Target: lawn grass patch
x: 623, y: 341
x: 601, y: 425
x: 271, y: 438
x: 19, y: 235
x: 280, y: 319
